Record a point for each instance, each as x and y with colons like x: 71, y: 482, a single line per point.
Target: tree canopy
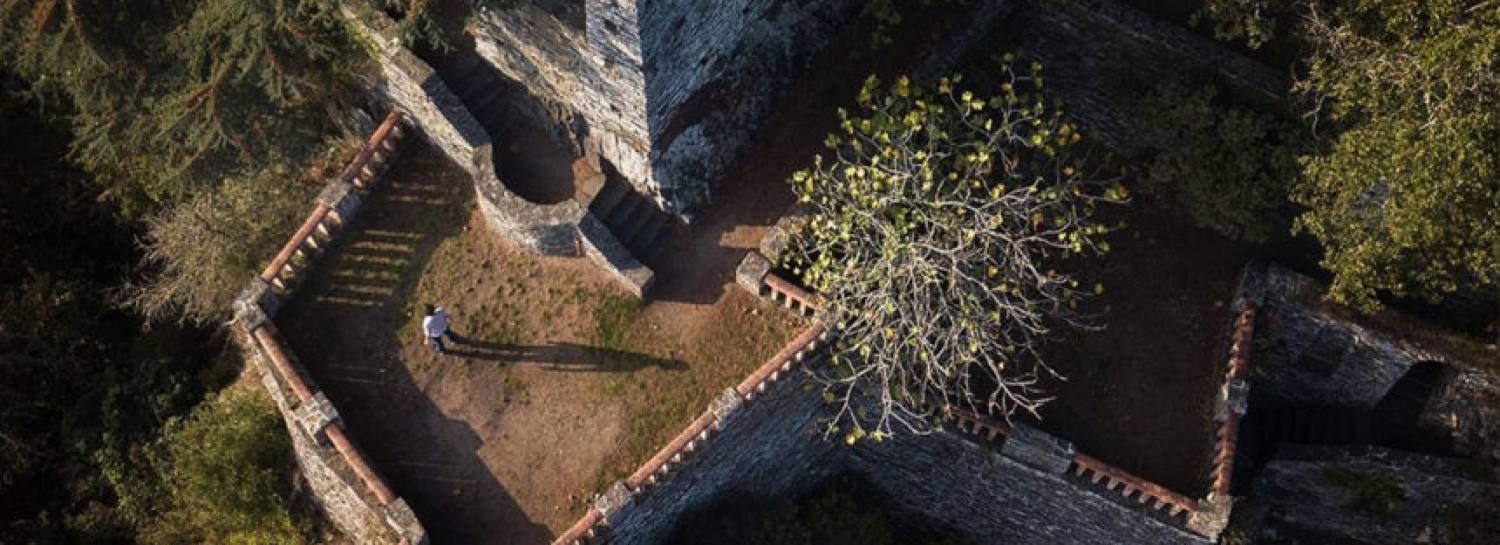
x: 1406, y: 197
x: 936, y: 229
x: 1225, y: 165
x: 171, y: 95
x: 1402, y: 191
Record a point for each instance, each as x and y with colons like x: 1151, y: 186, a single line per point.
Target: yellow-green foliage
x: 935, y: 228
x: 221, y: 471
x: 1406, y: 198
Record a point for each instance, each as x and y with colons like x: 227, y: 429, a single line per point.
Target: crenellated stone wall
x: 982, y: 480
x: 343, y: 484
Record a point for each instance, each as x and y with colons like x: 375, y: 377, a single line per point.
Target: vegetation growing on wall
x: 1369, y: 491
x: 936, y: 228
x: 1225, y: 166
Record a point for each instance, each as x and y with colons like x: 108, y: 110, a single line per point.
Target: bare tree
x: 201, y: 252
x: 934, y: 235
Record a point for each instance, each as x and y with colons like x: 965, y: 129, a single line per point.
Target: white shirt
x: 435, y: 325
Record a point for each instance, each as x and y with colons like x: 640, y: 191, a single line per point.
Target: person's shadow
x: 561, y: 356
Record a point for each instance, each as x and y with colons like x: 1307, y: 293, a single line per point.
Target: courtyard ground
x: 564, y: 384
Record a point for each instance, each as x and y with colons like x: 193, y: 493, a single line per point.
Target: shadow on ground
x: 562, y: 356
x: 343, y: 324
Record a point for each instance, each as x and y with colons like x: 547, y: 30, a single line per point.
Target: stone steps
x: 632, y: 218
x: 609, y: 196
x: 1317, y: 426
x: 461, y: 68
x: 639, y: 217
x: 646, y: 239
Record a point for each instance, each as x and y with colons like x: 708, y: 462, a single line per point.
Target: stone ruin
x: 1004, y: 483
x: 652, y: 100
x: 341, y: 480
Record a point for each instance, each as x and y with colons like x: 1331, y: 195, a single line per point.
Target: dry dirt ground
x: 564, y: 383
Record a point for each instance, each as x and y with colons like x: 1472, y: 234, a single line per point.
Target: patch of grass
x: 1373, y: 492
x: 612, y: 318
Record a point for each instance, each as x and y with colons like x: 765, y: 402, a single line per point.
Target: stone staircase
x: 479, y: 87
x: 1265, y: 429
x: 633, y: 218
x: 1313, y: 426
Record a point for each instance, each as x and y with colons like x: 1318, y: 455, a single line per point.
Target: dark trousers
x: 437, y: 342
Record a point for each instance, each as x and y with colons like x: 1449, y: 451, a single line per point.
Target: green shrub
x: 1226, y: 166
x: 221, y: 473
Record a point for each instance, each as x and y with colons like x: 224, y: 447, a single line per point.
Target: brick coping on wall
x: 1205, y: 517
x: 312, y: 412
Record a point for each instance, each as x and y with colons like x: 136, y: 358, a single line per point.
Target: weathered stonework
x: 1042, y: 451
x: 774, y: 450
x: 411, y: 84
x: 751, y: 274
x: 667, y: 91
x: 1314, y: 495
x: 600, y: 245
x: 336, y: 491
x: 1467, y: 411
x: 1306, y: 354
x: 983, y: 497
x: 1234, y: 398
x: 961, y: 40
x: 316, y: 415
x: 340, y: 480
x: 340, y: 196
x: 788, y: 226
x: 1092, y: 49
x: 612, y: 501
x: 399, y: 516
x: 726, y: 406
x: 255, y: 304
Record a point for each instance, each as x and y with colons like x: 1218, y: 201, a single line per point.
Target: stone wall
x: 982, y: 480
x: 343, y: 484
x: 1339, y: 495
x: 667, y: 91
x: 442, y: 119
x: 771, y: 450
x: 411, y: 84
x: 986, y: 497
x: 1310, y: 353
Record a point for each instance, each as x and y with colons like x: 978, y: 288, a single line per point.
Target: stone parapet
x: 775, y: 242
x: 601, y: 247
x: 343, y: 484
x: 341, y: 197
x: 400, y: 518
x: 751, y: 274
x: 1038, y: 449
x: 316, y: 415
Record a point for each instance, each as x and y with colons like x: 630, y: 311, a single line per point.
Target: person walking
x: 435, y: 327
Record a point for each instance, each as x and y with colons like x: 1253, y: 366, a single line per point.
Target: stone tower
x: 664, y: 92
